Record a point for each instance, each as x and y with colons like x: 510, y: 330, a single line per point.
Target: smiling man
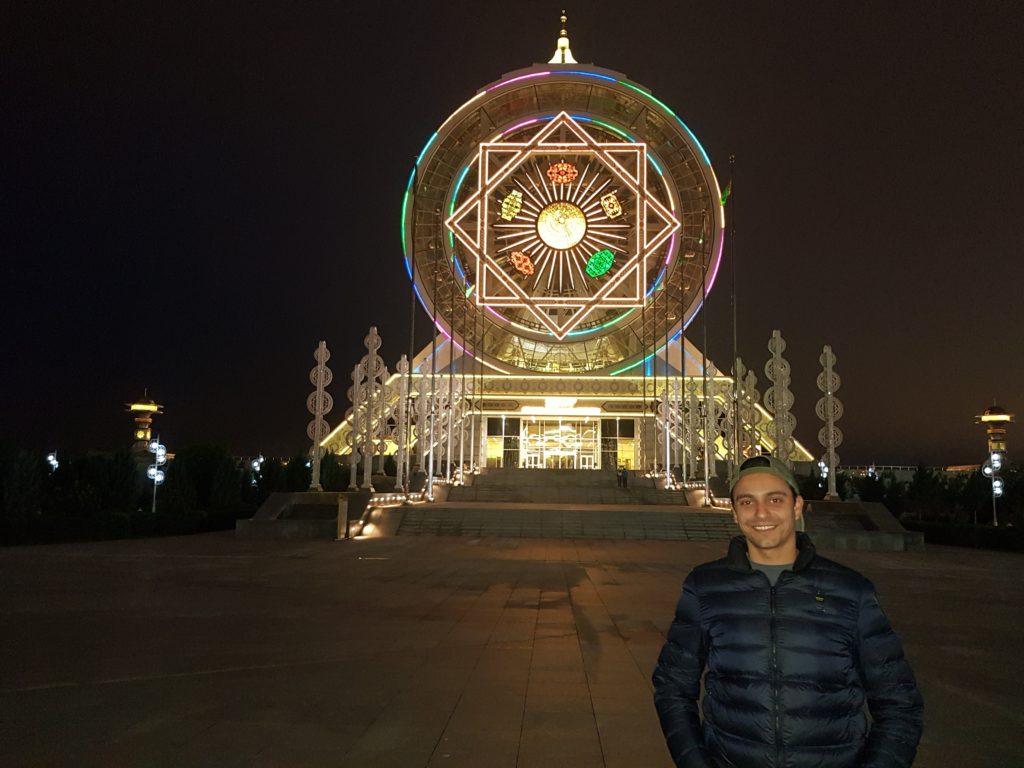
x: 791, y: 647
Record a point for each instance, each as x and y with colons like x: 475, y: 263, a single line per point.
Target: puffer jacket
x: 789, y: 669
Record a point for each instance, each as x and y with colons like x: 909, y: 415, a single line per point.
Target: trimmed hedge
x: 1007, y: 539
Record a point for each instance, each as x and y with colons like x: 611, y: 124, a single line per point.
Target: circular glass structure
x: 562, y: 220
x: 561, y: 225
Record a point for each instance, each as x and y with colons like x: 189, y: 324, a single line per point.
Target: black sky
x: 194, y: 194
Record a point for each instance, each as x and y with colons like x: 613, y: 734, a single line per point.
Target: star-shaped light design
x: 560, y: 226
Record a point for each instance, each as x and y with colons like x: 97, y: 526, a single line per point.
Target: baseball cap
x: 769, y: 465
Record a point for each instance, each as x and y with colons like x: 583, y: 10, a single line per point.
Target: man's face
x: 764, y: 508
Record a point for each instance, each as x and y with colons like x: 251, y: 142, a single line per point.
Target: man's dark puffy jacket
x: 788, y: 670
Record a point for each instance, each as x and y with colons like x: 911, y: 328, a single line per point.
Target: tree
x: 895, y: 499
x: 105, y: 485
x: 811, y: 487
x: 297, y: 475
x: 22, y: 496
x: 333, y: 476
x: 869, y: 488
x: 1013, y: 499
x: 177, y: 507
x: 202, y: 464
x: 225, y: 502
x: 924, y: 494
x: 270, y: 479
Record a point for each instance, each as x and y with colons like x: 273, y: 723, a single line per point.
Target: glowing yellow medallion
x: 561, y: 225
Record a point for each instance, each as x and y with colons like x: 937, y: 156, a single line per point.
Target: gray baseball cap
x: 769, y: 465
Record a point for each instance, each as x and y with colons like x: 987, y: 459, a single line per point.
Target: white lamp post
x: 990, y: 469
x: 154, y: 471
x: 995, y: 420
x: 256, y: 465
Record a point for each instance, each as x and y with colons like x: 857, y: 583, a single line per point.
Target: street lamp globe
x: 154, y: 471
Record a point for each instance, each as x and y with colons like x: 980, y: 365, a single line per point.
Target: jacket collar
x: 738, y: 559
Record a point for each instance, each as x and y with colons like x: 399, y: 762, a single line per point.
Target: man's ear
x: 798, y: 507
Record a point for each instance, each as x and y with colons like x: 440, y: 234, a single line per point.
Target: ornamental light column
x: 739, y: 370
x: 664, y: 411
x: 462, y: 424
x: 353, y: 437
x: 402, y: 435
x: 829, y: 409
x: 692, y: 426
x: 749, y: 416
x: 318, y: 404
x: 779, y: 399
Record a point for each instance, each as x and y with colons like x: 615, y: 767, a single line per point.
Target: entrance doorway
x: 552, y: 443
x: 561, y: 444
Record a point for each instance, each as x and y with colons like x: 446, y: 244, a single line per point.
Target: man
x: 792, y: 644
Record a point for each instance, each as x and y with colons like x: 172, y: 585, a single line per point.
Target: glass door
x: 560, y: 444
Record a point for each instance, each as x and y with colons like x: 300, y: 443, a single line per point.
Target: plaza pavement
x: 428, y: 651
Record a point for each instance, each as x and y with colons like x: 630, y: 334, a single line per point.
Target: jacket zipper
x: 775, y: 685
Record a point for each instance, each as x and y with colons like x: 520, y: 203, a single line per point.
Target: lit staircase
x: 564, y: 503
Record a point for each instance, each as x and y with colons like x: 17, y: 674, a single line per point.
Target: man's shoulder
x: 714, y: 570
x: 733, y: 561
x: 712, y: 565
x: 824, y: 568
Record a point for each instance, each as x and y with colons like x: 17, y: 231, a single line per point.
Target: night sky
x: 194, y: 194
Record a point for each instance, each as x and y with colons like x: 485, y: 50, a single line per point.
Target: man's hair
x: 765, y: 465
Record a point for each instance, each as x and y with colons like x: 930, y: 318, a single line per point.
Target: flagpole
x: 412, y: 342
x: 737, y: 424
x: 709, y: 444
x: 732, y: 249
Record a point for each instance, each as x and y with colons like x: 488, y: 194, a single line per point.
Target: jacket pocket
x: 715, y: 751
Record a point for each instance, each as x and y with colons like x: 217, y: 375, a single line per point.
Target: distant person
x: 790, y: 646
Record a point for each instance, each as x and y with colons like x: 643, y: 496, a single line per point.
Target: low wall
x: 286, y: 529
x: 304, y: 515
x: 858, y: 525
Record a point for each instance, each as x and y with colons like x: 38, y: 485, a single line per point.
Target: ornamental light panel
x: 562, y: 173
x: 600, y: 263
x: 522, y: 263
x: 578, y: 197
x: 610, y: 204
x: 511, y: 205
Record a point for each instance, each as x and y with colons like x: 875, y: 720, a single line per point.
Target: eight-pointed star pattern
x: 561, y: 304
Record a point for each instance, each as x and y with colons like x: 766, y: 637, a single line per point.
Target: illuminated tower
x: 144, y: 409
x: 995, y: 419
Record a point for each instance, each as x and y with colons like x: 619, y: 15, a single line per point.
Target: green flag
x: 726, y: 192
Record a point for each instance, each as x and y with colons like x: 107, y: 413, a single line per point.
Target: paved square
x: 424, y: 651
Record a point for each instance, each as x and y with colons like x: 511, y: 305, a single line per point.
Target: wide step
x: 567, y: 523
x: 562, y: 486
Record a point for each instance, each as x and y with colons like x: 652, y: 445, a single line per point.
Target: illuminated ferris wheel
x: 562, y: 220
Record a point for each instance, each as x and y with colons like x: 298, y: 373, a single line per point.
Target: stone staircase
x: 562, y: 486
x: 543, y: 521
x: 563, y: 503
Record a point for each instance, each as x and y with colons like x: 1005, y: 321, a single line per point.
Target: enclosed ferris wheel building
x: 561, y: 230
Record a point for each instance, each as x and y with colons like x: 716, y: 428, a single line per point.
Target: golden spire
x: 562, y: 53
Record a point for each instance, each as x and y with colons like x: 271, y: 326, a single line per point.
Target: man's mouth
x: 765, y: 527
